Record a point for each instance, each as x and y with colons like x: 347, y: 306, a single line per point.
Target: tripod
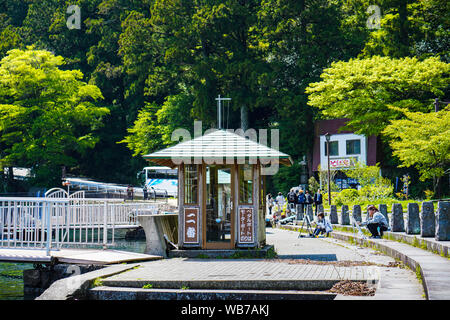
x: 308, y: 226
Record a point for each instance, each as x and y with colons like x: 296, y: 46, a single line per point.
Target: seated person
x: 322, y: 225
x: 376, y: 223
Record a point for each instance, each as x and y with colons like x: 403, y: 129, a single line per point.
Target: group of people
x: 297, y: 199
x: 376, y: 222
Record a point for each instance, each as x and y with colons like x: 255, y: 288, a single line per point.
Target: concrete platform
x: 111, y: 293
x: 234, y: 279
x: 241, y: 274
x: 238, y: 252
x: 73, y: 256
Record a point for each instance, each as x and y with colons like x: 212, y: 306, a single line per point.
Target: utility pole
x: 327, y: 137
x: 219, y: 111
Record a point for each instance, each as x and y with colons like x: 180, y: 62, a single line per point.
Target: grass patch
x: 98, y: 282
x: 147, y: 286
x: 419, y: 274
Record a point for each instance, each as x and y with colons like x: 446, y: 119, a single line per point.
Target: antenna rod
x: 219, y: 111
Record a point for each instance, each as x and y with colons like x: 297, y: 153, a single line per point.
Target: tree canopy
x: 47, y: 115
x: 422, y: 140
x: 363, y: 90
x: 161, y: 63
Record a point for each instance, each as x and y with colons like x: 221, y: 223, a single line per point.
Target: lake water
x: 11, y: 274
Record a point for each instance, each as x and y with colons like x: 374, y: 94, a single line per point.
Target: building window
x: 334, y: 148
x: 353, y: 146
x: 246, y: 184
x: 190, y: 184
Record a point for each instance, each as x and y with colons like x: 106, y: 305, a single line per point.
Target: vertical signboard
x: 246, y: 225
x: 191, y: 225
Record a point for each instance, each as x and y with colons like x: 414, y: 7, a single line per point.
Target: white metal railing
x: 54, y: 222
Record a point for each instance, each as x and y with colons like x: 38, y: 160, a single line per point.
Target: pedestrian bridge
x: 59, y: 221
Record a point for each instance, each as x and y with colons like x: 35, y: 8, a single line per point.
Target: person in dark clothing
x: 308, y: 201
x: 318, y: 200
x: 145, y: 191
x: 292, y: 199
x: 308, y: 198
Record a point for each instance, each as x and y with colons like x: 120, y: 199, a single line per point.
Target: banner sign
x: 246, y: 225
x: 190, y: 225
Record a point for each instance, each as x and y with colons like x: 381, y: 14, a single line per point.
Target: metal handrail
x: 51, y: 222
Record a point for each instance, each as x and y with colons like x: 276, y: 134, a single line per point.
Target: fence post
x: 333, y: 214
x: 356, y: 214
x: 345, y: 218
x: 49, y: 227
x: 113, y: 220
x: 427, y: 220
x: 105, y: 225
x: 397, y: 222
x: 442, y: 221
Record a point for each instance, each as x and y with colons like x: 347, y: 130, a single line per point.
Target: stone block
x: 383, y: 210
x: 412, y: 219
x: 397, y: 222
x: 443, y: 221
x: 427, y: 220
x: 357, y: 213
x: 345, y: 218
x: 333, y: 215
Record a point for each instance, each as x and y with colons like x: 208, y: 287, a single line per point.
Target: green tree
x: 154, y: 125
x: 363, y: 89
x: 422, y: 140
x: 48, y: 116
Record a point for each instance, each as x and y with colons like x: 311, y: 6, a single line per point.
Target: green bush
x: 346, y: 196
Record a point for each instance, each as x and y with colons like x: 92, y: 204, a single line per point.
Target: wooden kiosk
x: 221, y: 191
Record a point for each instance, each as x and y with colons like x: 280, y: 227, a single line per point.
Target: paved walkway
x: 236, y: 274
x: 394, y: 283
x: 284, y: 274
x: 434, y: 269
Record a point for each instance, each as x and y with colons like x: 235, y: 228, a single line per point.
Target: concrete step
x: 269, y: 284
x: 127, y: 293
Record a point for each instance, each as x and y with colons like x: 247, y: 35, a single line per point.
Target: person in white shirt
x: 280, y: 202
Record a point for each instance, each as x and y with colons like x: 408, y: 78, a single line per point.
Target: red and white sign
x: 341, y: 163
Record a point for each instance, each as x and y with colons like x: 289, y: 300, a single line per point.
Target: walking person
x: 280, y: 203
x: 269, y: 202
x: 376, y: 223
x: 145, y: 191
x: 301, y: 199
x: 318, y: 200
x: 130, y: 192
